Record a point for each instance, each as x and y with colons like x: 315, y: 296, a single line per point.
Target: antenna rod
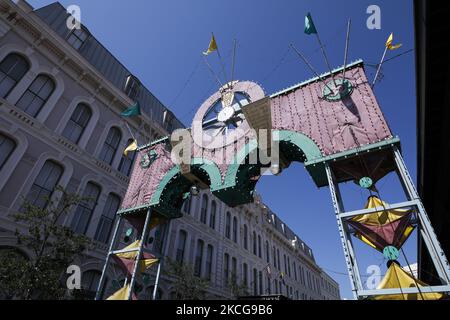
x: 212, y: 72
x: 232, y: 62
x: 326, y: 58
x: 379, y: 67
x: 347, y: 39
x: 221, y: 63
x: 129, y: 130
x: 310, y: 66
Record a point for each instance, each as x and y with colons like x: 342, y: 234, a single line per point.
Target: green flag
x: 133, y: 110
x: 310, y: 28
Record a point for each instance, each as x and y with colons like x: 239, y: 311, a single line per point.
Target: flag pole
x: 310, y: 66
x: 233, y: 62
x: 347, y: 39
x: 221, y: 63
x: 129, y: 130
x: 212, y: 71
x: 379, y: 67
x: 325, y: 56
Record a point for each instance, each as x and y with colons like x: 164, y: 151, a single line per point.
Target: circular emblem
x: 337, y: 90
x: 220, y: 120
x: 148, y: 158
x: 365, y: 182
x: 391, y: 253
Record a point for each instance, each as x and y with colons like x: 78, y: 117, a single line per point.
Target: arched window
x: 187, y: 205
x: 77, y: 37
x: 107, y: 219
x: 111, y: 145
x: 235, y: 227
x: 245, y: 274
x: 274, y: 257
x: 278, y: 259
x: 160, y: 235
x: 209, y: 258
x: 204, y: 209
x: 7, y: 146
x: 245, y: 237
x: 295, y: 270
x: 36, y: 95
x: 255, y: 281
x: 12, y: 68
x: 260, y: 282
x: 234, y: 270
x: 254, y: 244
x: 77, y: 123
x: 267, y: 252
x: 44, y: 185
x: 199, y: 258
x: 228, y: 225
x: 126, y: 162
x: 289, y: 266
x: 212, y: 217
x: 86, y: 208
x: 181, y: 246
x: 226, y: 269
x: 259, y: 247
x: 89, y: 283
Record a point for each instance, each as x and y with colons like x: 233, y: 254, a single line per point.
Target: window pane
x: 34, y: 107
x: 45, y: 184
x: 13, y: 68
x: 111, y: 144
x: 84, y: 115
x: 7, y: 146
x: 37, y: 84
x: 19, y: 69
x: 77, y: 123
x: 107, y: 218
x: 8, y: 63
x: 46, y: 90
x: 6, y: 86
x: 26, y: 99
x: 36, y: 95
x: 85, y: 209
x: 181, y: 246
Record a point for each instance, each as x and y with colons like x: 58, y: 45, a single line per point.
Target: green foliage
x: 186, y: 285
x: 53, y: 247
x: 237, y: 289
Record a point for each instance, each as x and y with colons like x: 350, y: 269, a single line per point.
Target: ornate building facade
x: 61, y: 94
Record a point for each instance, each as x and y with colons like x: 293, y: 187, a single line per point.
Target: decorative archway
x: 339, y: 135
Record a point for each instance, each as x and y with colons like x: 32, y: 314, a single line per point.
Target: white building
x: 61, y: 94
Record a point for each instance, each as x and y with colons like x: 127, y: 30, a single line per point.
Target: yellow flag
x: 389, y: 44
x: 132, y: 147
x: 212, y: 46
x: 121, y: 294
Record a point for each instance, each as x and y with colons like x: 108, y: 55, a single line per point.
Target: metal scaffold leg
x: 424, y: 228
x: 144, y: 233
x: 161, y: 260
x: 108, y: 257
x: 350, y: 259
x: 427, y: 232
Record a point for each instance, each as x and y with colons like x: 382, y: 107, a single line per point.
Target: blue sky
x: 161, y: 42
